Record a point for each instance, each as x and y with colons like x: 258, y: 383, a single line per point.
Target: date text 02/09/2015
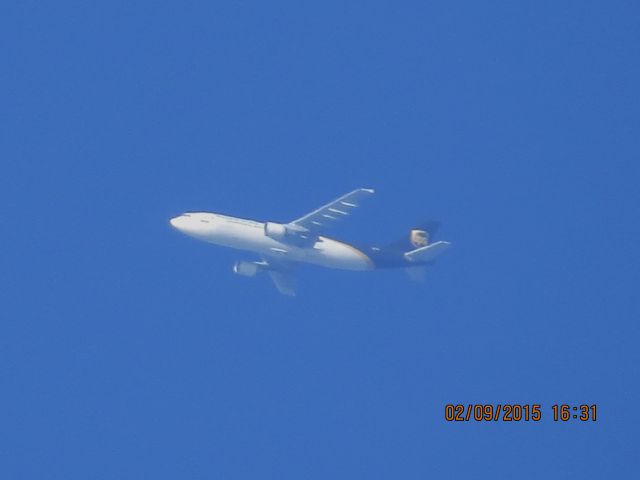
x: 514, y: 412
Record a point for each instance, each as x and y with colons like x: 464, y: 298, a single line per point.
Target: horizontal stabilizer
x: 416, y: 274
x: 428, y: 253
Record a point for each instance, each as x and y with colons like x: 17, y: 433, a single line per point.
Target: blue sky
x: 129, y: 351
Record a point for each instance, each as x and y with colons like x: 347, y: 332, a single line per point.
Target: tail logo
x: 419, y: 238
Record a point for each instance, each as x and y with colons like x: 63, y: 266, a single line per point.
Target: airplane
x: 284, y: 246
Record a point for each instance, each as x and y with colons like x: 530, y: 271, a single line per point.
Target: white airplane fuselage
x: 249, y: 235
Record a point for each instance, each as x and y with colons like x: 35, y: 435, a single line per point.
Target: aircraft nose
x: 175, y: 222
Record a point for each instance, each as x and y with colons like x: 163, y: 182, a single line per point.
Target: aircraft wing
x: 282, y: 274
x: 285, y: 282
x: 328, y: 214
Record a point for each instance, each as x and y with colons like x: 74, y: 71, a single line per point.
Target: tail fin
x: 419, y: 236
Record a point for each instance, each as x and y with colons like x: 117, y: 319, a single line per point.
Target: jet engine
x: 246, y: 269
x: 277, y: 231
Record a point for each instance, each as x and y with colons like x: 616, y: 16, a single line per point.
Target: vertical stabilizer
x: 419, y: 236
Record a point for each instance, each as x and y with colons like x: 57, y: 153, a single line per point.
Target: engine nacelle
x: 246, y: 269
x: 277, y: 231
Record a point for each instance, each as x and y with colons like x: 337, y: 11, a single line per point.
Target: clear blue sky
x: 128, y: 351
